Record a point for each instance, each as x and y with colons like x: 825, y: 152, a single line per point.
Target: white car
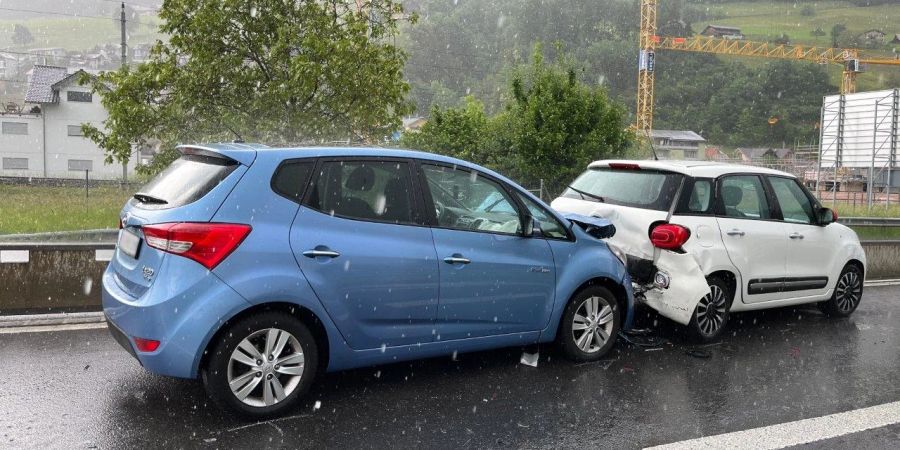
x: 704, y: 239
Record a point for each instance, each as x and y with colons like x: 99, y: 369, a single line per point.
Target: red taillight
x: 624, y: 166
x: 207, y: 243
x: 146, y: 345
x: 668, y: 236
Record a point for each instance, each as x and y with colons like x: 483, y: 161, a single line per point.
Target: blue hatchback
x: 256, y: 268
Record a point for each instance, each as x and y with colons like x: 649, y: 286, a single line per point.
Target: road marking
x: 14, y: 256
x: 47, y: 328
x: 798, y: 432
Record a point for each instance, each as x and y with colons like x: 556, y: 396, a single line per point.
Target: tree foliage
x: 552, y: 125
x: 21, y: 35
x: 275, y: 71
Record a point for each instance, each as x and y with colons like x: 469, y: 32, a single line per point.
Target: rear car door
x: 493, y: 279
x: 366, y: 253
x: 755, y: 238
x: 811, y: 255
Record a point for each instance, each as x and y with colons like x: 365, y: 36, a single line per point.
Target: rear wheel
x: 847, y: 293
x: 711, y: 314
x: 590, y: 324
x: 262, y: 365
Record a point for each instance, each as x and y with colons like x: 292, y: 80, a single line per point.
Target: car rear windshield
x: 186, y: 180
x: 646, y: 189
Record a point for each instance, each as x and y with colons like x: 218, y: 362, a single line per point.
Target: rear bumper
x: 182, y: 317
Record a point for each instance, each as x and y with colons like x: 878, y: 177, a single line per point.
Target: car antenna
x: 652, y: 148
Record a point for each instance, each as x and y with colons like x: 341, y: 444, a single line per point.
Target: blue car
x: 255, y: 269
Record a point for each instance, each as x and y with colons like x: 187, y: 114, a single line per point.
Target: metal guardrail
x: 870, y: 221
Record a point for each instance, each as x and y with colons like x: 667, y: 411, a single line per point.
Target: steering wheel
x: 438, y: 209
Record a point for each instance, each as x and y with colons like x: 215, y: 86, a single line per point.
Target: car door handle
x: 796, y: 236
x: 321, y: 252
x: 735, y: 232
x: 456, y: 260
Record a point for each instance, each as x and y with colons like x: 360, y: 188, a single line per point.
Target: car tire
x: 712, y: 312
x: 270, y: 358
x: 847, y: 293
x: 590, y: 324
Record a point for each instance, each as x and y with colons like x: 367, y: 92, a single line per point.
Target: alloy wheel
x: 711, y: 311
x: 266, y: 367
x: 592, y: 324
x: 848, y: 291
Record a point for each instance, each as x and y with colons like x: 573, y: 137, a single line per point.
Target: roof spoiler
x: 240, y: 153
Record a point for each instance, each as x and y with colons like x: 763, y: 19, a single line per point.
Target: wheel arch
x: 304, y: 314
x: 729, y: 277
x: 618, y: 290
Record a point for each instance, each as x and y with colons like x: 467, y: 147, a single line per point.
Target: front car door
x: 755, y: 238
x: 366, y: 254
x: 811, y: 260
x: 493, y: 279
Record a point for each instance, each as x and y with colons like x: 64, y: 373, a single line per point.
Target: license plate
x: 129, y: 243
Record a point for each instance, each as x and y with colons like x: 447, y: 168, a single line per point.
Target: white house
x: 48, y: 142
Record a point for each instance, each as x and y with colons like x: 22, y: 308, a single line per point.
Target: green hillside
x: 769, y: 20
x: 77, y: 34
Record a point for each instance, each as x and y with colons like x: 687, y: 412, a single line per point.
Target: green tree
x: 817, y: 33
x: 458, y: 132
x: 21, y: 35
x: 275, y: 71
x: 836, y: 31
x: 550, y: 128
x: 558, y: 124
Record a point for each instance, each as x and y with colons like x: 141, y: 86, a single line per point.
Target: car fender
x: 578, y: 262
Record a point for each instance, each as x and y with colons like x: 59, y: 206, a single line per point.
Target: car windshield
x: 646, y: 189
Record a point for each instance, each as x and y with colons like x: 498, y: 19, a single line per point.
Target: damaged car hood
x: 597, y: 227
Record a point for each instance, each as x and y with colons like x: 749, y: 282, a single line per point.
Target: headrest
x: 732, y: 195
x: 361, y: 179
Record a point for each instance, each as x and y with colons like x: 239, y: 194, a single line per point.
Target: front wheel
x: 711, y: 314
x: 847, y: 293
x: 262, y: 365
x: 590, y: 324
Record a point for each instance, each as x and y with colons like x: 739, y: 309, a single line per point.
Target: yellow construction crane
x: 649, y: 42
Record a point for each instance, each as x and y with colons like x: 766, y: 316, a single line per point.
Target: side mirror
x: 532, y: 228
x: 826, y: 216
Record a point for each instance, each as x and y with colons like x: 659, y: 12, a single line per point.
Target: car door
x: 754, y: 237
x: 811, y: 256
x: 366, y: 253
x: 494, y: 280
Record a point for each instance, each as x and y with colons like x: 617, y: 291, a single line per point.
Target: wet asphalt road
x: 79, y: 389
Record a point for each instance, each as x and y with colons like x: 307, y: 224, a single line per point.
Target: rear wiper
x: 147, y: 198
x: 584, y: 195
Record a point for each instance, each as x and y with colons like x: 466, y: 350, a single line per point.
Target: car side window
x: 744, y: 197
x: 697, y: 199
x: 291, y: 178
x: 795, y: 205
x: 466, y: 200
x: 550, y: 227
x: 366, y: 190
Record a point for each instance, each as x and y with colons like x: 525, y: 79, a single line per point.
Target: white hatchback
x: 704, y: 239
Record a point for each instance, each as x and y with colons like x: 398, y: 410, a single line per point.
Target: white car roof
x: 706, y: 169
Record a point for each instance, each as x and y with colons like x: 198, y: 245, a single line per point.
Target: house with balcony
x: 45, y: 140
x: 678, y: 144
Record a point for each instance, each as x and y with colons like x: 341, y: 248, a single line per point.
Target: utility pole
x: 124, y: 61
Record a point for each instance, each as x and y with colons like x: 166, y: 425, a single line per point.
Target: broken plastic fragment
x: 530, y: 359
